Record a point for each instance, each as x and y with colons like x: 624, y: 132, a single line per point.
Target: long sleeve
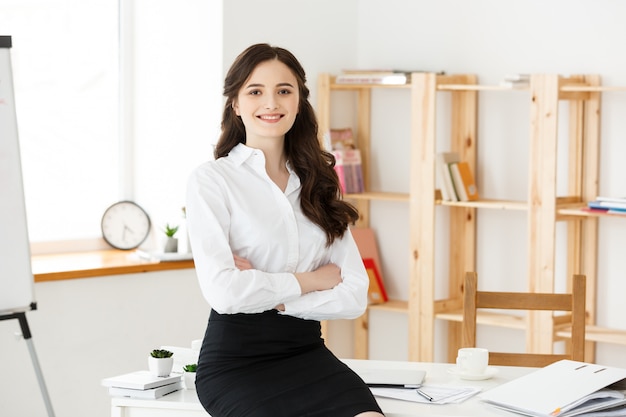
x: 347, y: 300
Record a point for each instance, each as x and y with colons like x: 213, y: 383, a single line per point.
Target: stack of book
x: 376, y: 76
x: 456, y: 179
x: 611, y: 205
x: 142, y: 384
x: 348, y: 164
x: 384, y: 77
x: 516, y: 81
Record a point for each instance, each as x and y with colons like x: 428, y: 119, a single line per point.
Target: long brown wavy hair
x: 320, y: 197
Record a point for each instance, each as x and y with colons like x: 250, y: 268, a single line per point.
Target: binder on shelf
x: 366, y: 242
x: 464, y: 183
x: 376, y: 292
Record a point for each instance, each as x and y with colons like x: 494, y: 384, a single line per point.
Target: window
x: 104, y: 117
x: 65, y: 74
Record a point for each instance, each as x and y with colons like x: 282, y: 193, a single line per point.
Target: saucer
x: 489, y: 372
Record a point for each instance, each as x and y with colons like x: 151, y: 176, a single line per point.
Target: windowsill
x: 97, y: 263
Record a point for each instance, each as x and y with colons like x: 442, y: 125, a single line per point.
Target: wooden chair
x: 574, y: 303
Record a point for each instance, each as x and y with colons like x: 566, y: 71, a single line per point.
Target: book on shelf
x: 621, y: 211
x: 517, y: 77
x: 463, y: 180
x: 394, y: 78
x: 516, y: 81
x: 564, y: 388
x: 442, y: 162
x: 618, y: 200
x: 349, y: 170
x: 151, y: 393
x: 607, y: 203
x: 342, y: 138
x: 376, y: 292
x: 140, y: 380
x: 164, y: 256
x: 365, y: 240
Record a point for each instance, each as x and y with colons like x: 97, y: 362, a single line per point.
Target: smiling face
x: 268, y: 102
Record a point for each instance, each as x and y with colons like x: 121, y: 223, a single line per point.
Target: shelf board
x: 591, y: 88
x: 378, y: 196
x: 335, y: 86
x: 578, y: 211
x: 396, y: 306
x: 599, y: 334
x: 488, y: 318
x: 490, y: 204
x: 477, y: 87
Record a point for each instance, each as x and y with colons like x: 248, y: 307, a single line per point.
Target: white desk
x: 185, y: 403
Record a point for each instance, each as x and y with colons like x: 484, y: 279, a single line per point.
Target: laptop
x: 376, y: 373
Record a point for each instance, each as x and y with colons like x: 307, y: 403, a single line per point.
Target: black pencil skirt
x: 273, y: 365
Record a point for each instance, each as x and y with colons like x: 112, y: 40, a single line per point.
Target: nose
x: 271, y: 103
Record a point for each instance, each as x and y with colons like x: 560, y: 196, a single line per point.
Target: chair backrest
x: 573, y: 303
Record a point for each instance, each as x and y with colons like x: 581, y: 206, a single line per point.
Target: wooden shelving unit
x: 543, y: 206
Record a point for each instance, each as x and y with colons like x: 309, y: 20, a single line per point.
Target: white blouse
x: 233, y: 207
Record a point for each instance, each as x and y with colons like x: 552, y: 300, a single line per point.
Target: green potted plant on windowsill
x: 171, y: 243
x: 160, y: 362
x: 189, y: 376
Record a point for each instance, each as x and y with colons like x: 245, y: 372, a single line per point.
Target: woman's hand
x: 242, y: 263
x: 323, y: 278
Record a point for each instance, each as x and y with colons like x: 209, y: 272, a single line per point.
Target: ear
x: 235, y: 107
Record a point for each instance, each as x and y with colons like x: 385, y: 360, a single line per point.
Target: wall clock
x: 125, y: 225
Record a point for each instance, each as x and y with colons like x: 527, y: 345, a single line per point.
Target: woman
x: 273, y: 253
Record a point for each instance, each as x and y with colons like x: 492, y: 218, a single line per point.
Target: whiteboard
x: 16, y: 277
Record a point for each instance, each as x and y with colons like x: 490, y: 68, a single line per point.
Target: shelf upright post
x: 583, y: 174
x: 421, y: 307
x: 544, y: 115
x: 462, y: 236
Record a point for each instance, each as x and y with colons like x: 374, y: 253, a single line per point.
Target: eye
x: 284, y: 91
x: 254, y: 92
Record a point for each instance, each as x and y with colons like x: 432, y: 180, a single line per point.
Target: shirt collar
x: 242, y: 154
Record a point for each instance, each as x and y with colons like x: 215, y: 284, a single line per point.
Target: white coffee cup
x: 472, y: 361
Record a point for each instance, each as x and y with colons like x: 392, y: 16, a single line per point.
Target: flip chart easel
x: 16, y: 277
x: 21, y: 317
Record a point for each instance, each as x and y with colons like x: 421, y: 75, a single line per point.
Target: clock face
x: 125, y: 225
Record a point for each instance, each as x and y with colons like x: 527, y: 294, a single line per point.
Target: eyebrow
x: 277, y: 85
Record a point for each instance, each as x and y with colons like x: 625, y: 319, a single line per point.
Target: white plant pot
x: 189, y: 379
x: 171, y: 245
x: 160, y: 366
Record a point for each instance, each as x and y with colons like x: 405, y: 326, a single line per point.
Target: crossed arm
x: 323, y: 278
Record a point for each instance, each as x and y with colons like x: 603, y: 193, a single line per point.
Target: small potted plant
x: 171, y: 244
x: 189, y: 376
x: 160, y: 362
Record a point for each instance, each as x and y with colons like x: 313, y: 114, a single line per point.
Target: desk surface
x: 185, y: 403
